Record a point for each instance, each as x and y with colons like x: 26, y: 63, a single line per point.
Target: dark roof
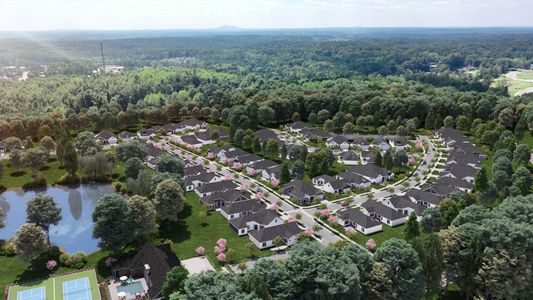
x: 442, y: 189
x: 286, y: 230
x: 245, y: 159
x: 380, y: 209
x: 161, y: 260
x: 242, y: 206
x: 314, y: 132
x: 227, y: 196
x: 404, y: 201
x: 461, y: 171
x: 171, y: 127
x: 154, y: 151
x: 454, y: 182
x: 263, y: 165
x: 263, y: 216
x: 266, y: 134
x: 300, y: 189
x: 146, y: 132
x: 420, y: 195
x: 349, y: 155
x: 326, y: 178
x: 235, y: 152
x: 299, y: 125
x: 369, y: 170
x: 357, y: 217
x: 104, y: 134
x: 190, y: 139
x: 338, y: 139
x: 222, y: 133
x: 193, y: 170
x: 190, y: 123
x: 339, y: 184
x: 352, y: 177
x: 126, y: 135
x: 276, y: 170
x: 204, y: 136
x: 203, y: 177
x: 219, y: 186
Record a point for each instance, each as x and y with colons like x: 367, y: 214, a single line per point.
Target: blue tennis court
x: 38, y: 293
x: 77, y: 289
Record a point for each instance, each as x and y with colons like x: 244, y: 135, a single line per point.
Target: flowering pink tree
x: 291, y: 219
x: 350, y: 231
x: 274, y: 207
x: 228, y: 177
x: 411, y: 160
x: 324, y: 213
x: 244, y: 187
x: 219, y: 249
x: 251, y: 171
x: 237, y: 165
x: 371, y: 245
x: 308, y: 232
x: 274, y: 182
x: 226, y: 160
x: 259, y: 195
x: 332, y: 219
x: 200, y: 250
x: 221, y: 257
x: 211, y: 155
x: 51, y: 264
x: 222, y: 242
x: 418, y: 143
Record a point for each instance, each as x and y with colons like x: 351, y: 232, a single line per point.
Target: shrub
x: 7, y: 248
x: 78, y: 260
x: 64, y: 260
x: 118, y: 186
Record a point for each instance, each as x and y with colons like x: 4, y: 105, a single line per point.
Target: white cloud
x: 158, y: 14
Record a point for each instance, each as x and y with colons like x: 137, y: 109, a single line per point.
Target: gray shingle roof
x: 263, y: 165
x: 420, y: 195
x: 286, y: 230
x: 357, y: 217
x: 348, y: 155
x: 105, y: 135
x: 299, y: 125
x: 203, y: 177
x: 400, y: 202
x: 245, y: 159
x: 338, y: 139
x: 126, y: 134
x: 242, y: 206
x: 352, y: 177
x: 228, y: 197
x: 219, y: 186
x: 380, y: 209
x: 369, y: 170
x: 263, y: 216
x: 193, y: 170
x: 300, y: 189
x: 190, y: 139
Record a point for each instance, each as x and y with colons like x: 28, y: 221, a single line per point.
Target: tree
x: 131, y: 149
x: 30, y: 241
x: 238, y: 137
x: 431, y: 220
x: 2, y: 218
x: 401, y: 130
x: 322, y: 116
x: 96, y: 167
x: 272, y: 148
x: 283, y: 151
x: 296, y: 116
x: 451, y: 244
x: 430, y: 255
x: 329, y: 125
x: 160, y: 176
x: 462, y: 123
x: 175, y: 281
x: 312, y: 118
x: 142, y: 185
x: 169, y: 200
x: 48, y: 144
x: 247, y: 142
x: 411, y: 229
x: 214, y: 285
x: 112, y: 222
x: 143, y: 214
x: 298, y: 169
x: 521, y: 155
x: 379, y: 286
x: 378, y: 159
x: 522, y: 179
x: 285, y: 173
x: 84, y: 141
x: 132, y: 167
x: 43, y: 211
x: 382, y: 130
x: 45, y: 130
x: 500, y: 179
x: 169, y: 163
x: 448, y: 210
x: 400, y: 158
x: 404, y: 268
x: 69, y: 158
x: 449, y: 122
x: 16, y: 159
x: 388, y: 162
x: 481, y: 180
x: 348, y: 128
x: 12, y: 143
x: 1, y: 170
x: 256, y: 148
x: 35, y: 159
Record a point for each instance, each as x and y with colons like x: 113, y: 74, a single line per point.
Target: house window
x: 264, y: 244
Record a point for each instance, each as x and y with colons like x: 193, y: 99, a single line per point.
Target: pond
x: 74, y: 231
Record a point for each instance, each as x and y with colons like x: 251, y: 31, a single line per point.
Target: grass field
x: 16, y: 178
x: 380, y: 237
x: 516, y: 84
x: 56, y: 287
x: 193, y: 230
x: 525, y: 75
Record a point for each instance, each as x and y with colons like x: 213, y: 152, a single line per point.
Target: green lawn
x: 380, y: 237
x: 527, y: 139
x: 16, y: 178
x: 525, y: 75
x: 193, y: 230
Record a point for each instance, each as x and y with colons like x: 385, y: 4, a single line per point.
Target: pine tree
x: 285, y: 174
x: 411, y: 229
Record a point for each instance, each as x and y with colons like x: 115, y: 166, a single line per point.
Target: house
x: 236, y: 209
x: 272, y: 172
x: 382, y: 144
x: 358, y: 220
x: 221, y: 199
x: 193, y: 170
x: 368, y: 156
x: 3, y: 147
x: 297, y: 126
x: 404, y: 205
x: 205, y: 137
x: 338, y: 141
x: 247, y: 160
x: 424, y: 198
x: 372, y: 173
x: 260, y: 166
x: 380, y: 212
x: 151, y: 263
x: 145, y: 133
x: 400, y: 143
x: 456, y: 183
x: 264, y: 238
x: 214, y: 187
x: 266, y: 134
x: 263, y: 218
x: 227, y: 151
x: 223, y: 134
x: 349, y: 158
x: 153, y: 154
x: 361, y: 142
x: 356, y: 181
x: 463, y: 172
x: 302, y: 191
x: 191, y: 124
x: 190, y: 140
x: 313, y: 134
x: 332, y: 185
x: 126, y: 136
x: 454, y: 139
x: 170, y: 128
x: 106, y: 137
x: 192, y: 182
x: 320, y: 180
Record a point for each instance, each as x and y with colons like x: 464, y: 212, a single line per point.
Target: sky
x: 31, y: 15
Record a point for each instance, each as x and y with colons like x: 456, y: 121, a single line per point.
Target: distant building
x: 111, y: 69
